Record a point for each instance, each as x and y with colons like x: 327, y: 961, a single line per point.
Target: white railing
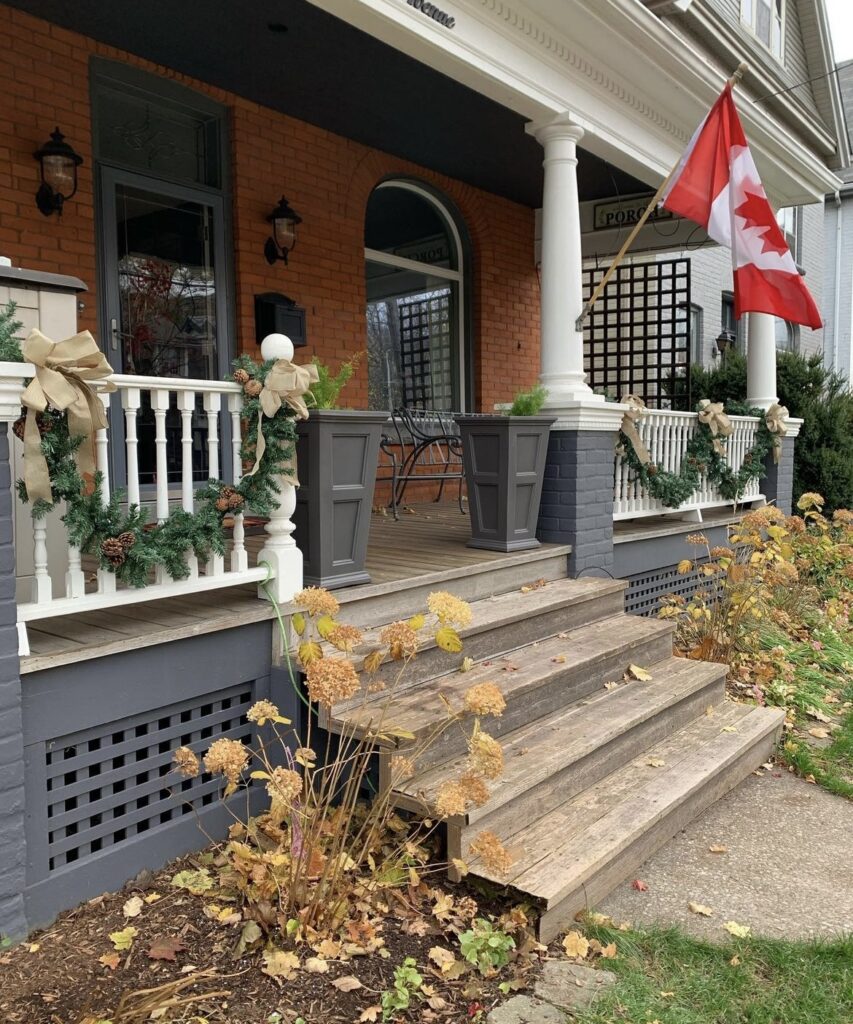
x: 666, y: 434
x: 51, y: 596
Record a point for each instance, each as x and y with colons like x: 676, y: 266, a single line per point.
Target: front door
x: 164, y: 303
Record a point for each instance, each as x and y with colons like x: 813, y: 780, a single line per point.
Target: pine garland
x: 123, y: 540
x: 701, y: 458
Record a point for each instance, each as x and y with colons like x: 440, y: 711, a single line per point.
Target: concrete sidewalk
x: 787, y: 871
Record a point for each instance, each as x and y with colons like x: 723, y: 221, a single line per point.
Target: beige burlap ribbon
x: 776, y: 419
x: 63, y: 370
x: 286, y: 384
x: 636, y: 409
x: 715, y: 418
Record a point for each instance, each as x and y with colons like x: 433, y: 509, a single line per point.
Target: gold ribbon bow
x: 286, y: 384
x: 776, y: 419
x: 636, y: 408
x: 717, y: 421
x: 63, y: 370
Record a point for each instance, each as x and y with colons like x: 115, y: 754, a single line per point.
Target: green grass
x: 831, y: 766
x: 775, y: 982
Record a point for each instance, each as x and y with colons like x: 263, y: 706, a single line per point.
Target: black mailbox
x: 277, y: 314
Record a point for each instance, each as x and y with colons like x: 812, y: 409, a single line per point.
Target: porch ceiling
x: 318, y: 68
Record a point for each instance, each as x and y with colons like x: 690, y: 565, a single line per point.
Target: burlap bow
x: 286, y: 384
x: 63, y: 369
x: 636, y: 409
x: 776, y: 419
x: 717, y: 421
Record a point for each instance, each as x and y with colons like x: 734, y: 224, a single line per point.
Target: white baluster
x: 42, y: 591
x: 130, y: 400
x: 239, y: 555
x: 75, y: 580
x: 106, y: 579
x: 186, y: 404
x: 160, y: 405
x: 215, y: 565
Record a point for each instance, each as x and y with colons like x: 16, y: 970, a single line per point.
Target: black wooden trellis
x: 637, y: 337
x: 425, y: 351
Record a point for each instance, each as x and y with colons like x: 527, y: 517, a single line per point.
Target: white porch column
x: 761, y: 360
x: 561, y: 352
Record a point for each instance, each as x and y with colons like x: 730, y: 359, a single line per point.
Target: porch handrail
x: 666, y: 435
x: 50, y: 595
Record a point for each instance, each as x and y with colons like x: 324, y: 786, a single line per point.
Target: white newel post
x: 761, y: 361
x: 280, y: 550
x: 561, y: 359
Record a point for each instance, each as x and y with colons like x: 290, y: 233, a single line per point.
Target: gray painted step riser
x: 555, y: 692
x: 627, y: 861
x: 411, y: 598
x: 580, y: 775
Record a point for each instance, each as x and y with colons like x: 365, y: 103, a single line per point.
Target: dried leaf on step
x: 700, y: 908
x: 559, y: 659
x: 347, y: 984
x: 641, y: 674
x: 576, y: 945
x: 639, y: 885
x: 656, y: 762
x: 133, y: 907
x: 467, y: 664
x: 740, y: 931
x: 729, y: 728
x: 718, y: 848
x: 536, y: 585
x: 448, y: 640
x: 166, y: 948
x: 610, y: 685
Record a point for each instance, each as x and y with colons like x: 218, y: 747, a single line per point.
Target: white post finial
x: 277, y: 346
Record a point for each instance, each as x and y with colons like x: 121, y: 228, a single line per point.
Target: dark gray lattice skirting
x: 646, y: 589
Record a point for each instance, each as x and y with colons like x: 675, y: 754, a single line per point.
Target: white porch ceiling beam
x: 636, y: 88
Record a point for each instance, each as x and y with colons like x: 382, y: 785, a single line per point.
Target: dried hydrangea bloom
x: 842, y: 517
x: 450, y: 610
x: 466, y: 908
x: 187, y: 763
x: 331, y: 680
x: 811, y: 499
x: 226, y: 757
x: 474, y: 789
x: 345, y: 637
x: 486, y: 756
x: 699, y: 539
x: 450, y: 800
x: 485, y: 699
x: 261, y: 711
x: 317, y: 601
x: 284, y: 786
x: 722, y: 552
x: 400, y: 639
x: 402, y: 768
x: 492, y: 853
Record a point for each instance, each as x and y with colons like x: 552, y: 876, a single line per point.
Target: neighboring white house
x: 838, y: 269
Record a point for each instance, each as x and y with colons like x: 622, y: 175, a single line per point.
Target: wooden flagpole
x: 737, y: 74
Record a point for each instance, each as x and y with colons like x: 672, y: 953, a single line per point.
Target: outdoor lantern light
x: 725, y: 341
x: 58, y: 164
x: 284, y: 220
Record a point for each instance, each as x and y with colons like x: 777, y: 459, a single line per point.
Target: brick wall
x: 44, y: 82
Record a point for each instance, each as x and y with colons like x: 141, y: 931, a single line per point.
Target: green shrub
x: 327, y: 390
x: 10, y: 349
x: 528, y: 403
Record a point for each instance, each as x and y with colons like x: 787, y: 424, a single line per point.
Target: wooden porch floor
x: 431, y: 538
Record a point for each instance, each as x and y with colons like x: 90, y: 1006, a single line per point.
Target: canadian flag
x: 716, y: 185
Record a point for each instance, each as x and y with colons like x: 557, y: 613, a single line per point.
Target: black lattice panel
x: 426, y: 351
x: 111, y: 783
x: 637, y: 337
x: 646, y: 589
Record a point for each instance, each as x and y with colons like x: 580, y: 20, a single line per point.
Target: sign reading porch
x: 431, y: 11
x: 625, y: 213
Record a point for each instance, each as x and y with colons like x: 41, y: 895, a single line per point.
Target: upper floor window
x: 764, y: 19
x: 790, y: 220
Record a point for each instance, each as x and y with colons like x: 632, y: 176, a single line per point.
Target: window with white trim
x: 765, y: 20
x: 790, y: 220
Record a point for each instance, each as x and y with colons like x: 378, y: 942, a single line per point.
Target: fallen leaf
x: 819, y: 734
x: 347, y: 984
x: 370, y: 1014
x: 729, y: 728
x: 576, y: 945
x: 166, y: 948
x: 33, y: 947
x: 639, y: 885
x: 111, y: 960
x: 460, y: 866
x: 656, y: 762
x: 700, y: 908
x: 610, y: 685
x: 152, y: 897
x: 559, y: 659
x: 467, y: 664
x: 123, y: 939
x: 196, y: 882
x: 666, y: 995
x: 442, y: 958
x: 133, y: 907
x: 709, y: 710
x: 641, y: 674
x: 718, y: 848
x: 735, y: 961
x: 609, y: 951
x: 316, y: 965
x: 279, y: 964
x: 740, y: 931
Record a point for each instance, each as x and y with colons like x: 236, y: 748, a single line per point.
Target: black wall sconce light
x: 725, y: 341
x: 284, y: 220
x: 58, y: 165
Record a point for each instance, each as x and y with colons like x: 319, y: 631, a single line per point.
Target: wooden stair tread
x: 519, y: 671
x: 566, y: 848
x: 540, y: 749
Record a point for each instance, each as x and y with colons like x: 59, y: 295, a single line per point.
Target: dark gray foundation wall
x: 778, y: 484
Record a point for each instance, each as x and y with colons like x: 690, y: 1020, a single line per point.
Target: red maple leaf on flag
x: 756, y: 211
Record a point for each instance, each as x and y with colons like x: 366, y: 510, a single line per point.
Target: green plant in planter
x: 10, y: 349
x: 325, y: 393
x: 528, y: 403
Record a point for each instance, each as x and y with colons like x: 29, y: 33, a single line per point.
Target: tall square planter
x: 337, y: 452
x: 504, y: 458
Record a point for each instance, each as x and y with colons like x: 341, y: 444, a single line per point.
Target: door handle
x: 114, y: 334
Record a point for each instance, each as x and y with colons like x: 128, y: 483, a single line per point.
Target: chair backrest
x: 425, y: 424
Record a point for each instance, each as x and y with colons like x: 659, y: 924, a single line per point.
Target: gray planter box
x: 504, y: 460
x: 337, y: 452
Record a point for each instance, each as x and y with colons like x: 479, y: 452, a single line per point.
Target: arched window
x: 415, y: 300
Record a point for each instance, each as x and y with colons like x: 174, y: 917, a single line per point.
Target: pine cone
x: 241, y: 376
x: 652, y: 469
x: 221, y: 504
x: 253, y: 388
x: 113, y: 550
x: 127, y: 539
x: 44, y: 424
x: 229, y: 498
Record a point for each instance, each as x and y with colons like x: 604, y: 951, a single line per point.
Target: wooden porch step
x: 500, y: 624
x: 555, y: 757
x: 571, y: 858
x: 535, y: 680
